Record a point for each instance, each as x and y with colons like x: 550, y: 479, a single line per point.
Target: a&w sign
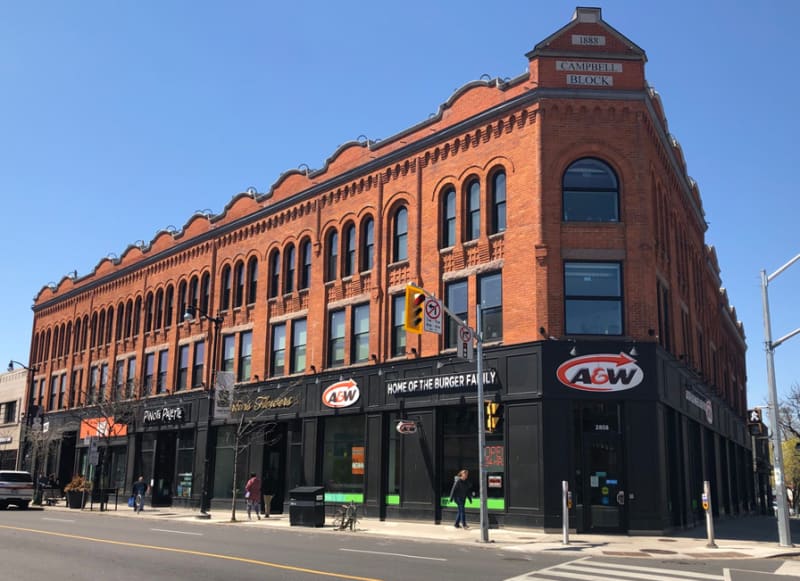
x: 601, y: 372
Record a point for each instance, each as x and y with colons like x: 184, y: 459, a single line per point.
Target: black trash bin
x: 307, y: 506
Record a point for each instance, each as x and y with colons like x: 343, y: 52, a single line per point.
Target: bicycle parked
x: 346, y: 517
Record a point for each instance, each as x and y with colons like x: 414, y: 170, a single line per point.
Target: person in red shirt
x: 252, y: 494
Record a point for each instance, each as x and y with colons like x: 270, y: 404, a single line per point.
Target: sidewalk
x: 736, y: 538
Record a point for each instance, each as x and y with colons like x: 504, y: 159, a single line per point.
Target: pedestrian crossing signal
x: 494, y: 415
x: 754, y: 416
x: 415, y: 309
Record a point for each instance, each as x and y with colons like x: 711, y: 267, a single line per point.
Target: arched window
x: 400, y: 235
x: 169, y: 306
x: 192, y: 299
x: 590, y: 192
x: 76, y: 342
x: 274, y: 273
x: 225, y: 285
x: 69, y: 339
x: 159, y: 308
x: 54, y: 353
x: 120, y: 321
x: 181, y: 300
x: 305, y: 267
x: 101, y: 330
x: 85, y: 329
x: 331, y: 255
x: 47, y: 340
x: 473, y: 205
x: 110, y: 324
x: 148, y: 313
x: 289, y: 262
x: 238, y: 293
x: 205, y: 290
x: 252, y: 280
x: 128, y: 320
x: 449, y: 217
x: 93, y: 340
x: 367, y: 240
x: 498, y: 201
x: 349, y: 263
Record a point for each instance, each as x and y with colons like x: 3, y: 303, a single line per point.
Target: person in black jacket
x: 460, y: 494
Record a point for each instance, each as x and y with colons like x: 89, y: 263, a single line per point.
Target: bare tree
x: 789, y: 414
x: 252, y: 428
x: 42, y: 440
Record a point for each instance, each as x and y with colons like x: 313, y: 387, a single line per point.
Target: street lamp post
x: 784, y: 533
x: 191, y: 312
x: 29, y: 415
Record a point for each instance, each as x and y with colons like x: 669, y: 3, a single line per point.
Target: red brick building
x: 557, y: 200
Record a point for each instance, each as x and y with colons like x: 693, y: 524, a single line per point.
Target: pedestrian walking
x: 460, y: 494
x: 252, y: 495
x: 139, y: 490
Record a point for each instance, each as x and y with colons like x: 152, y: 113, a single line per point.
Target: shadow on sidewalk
x: 759, y: 528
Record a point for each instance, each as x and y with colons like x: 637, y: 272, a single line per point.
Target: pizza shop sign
x: 601, y: 372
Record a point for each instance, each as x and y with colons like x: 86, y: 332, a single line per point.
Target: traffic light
x: 493, y: 415
x: 415, y: 309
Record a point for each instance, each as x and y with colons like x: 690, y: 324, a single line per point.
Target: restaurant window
x: 343, y: 462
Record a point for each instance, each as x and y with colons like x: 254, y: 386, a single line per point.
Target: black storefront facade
x: 635, y: 435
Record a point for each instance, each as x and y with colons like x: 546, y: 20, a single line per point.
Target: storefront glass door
x: 603, y: 484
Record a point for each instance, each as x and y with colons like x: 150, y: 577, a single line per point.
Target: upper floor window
x: 305, y: 266
x: 183, y: 368
x: 400, y: 235
x: 299, y: 340
x: 228, y: 353
x: 367, y: 255
x: 591, y: 192
x: 278, y: 353
x: 159, y: 309
x: 490, y: 295
x: 332, y: 255
x: 148, y: 313
x: 288, y: 276
x: 10, y: 412
x: 199, y: 359
x: 456, y: 297
x: 163, y: 364
x: 336, y: 339
x: 149, y: 371
x: 205, y: 291
x: 398, y: 330
x: 130, y: 379
x: 449, y: 217
x: 182, y: 296
x: 252, y: 280
x: 473, y: 229
x: 245, y: 355
x: 498, y: 201
x: 119, y: 381
x: 169, y: 306
x: 274, y: 273
x: 593, y: 298
x: 349, y: 250
x: 360, y: 333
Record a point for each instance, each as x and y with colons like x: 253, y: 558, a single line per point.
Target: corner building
x: 557, y: 200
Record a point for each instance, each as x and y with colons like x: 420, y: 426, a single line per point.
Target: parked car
x: 16, y: 487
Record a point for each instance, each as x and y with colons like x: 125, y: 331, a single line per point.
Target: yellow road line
x: 196, y: 553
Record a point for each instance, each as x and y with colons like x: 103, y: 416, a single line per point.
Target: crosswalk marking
x: 588, y: 570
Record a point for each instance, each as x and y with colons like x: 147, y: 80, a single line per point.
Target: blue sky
x: 119, y: 119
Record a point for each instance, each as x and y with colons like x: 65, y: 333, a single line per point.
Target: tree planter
x: 77, y: 498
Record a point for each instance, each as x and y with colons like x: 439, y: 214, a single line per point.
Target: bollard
x: 564, y: 512
x: 709, y: 514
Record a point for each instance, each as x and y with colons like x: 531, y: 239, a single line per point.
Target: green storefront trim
x: 344, y: 497
x: 491, y: 503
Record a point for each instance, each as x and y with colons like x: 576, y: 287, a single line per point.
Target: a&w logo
x: 601, y: 372
x: 341, y: 394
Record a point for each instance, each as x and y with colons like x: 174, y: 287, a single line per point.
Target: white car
x: 16, y: 487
